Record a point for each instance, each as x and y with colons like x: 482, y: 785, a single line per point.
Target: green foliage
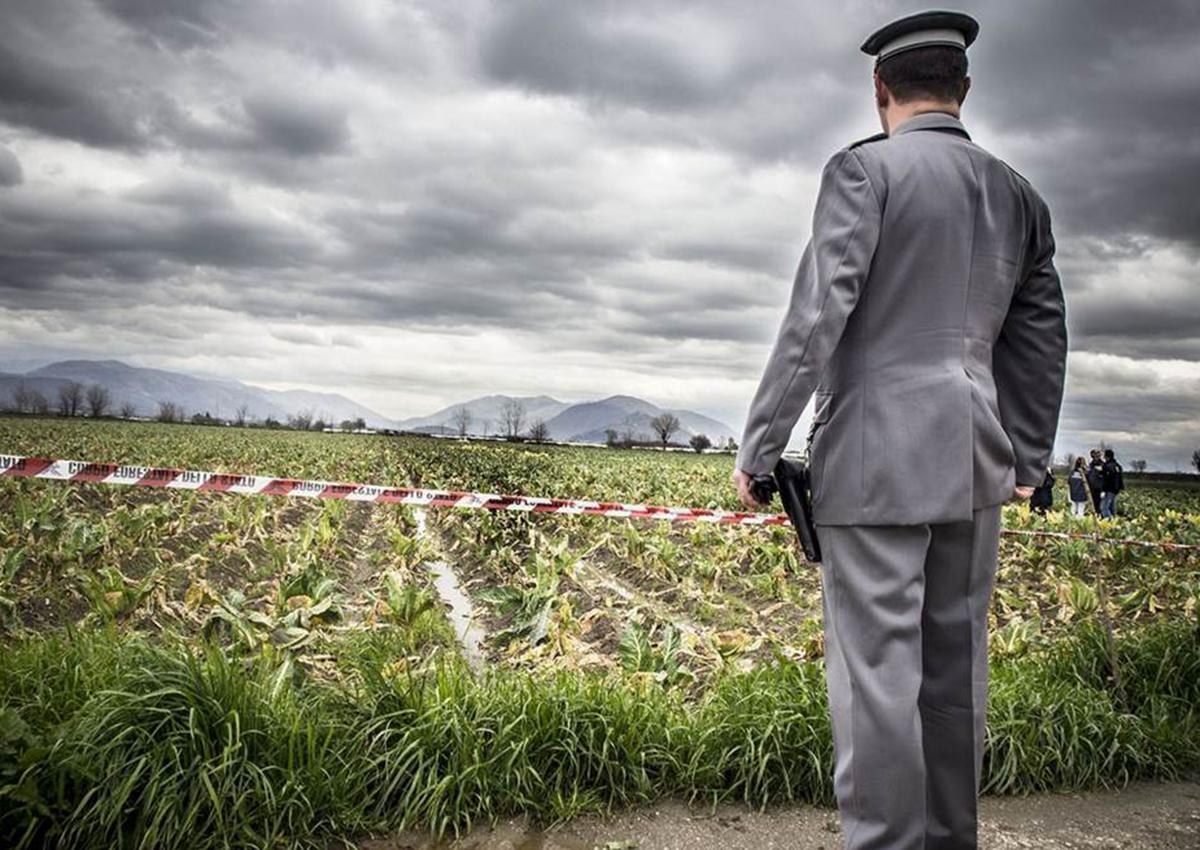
x: 112, y: 594
x: 662, y: 662
x: 110, y: 741
x: 643, y: 659
x: 529, y: 606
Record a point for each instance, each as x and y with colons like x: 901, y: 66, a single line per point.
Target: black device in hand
x: 791, y: 480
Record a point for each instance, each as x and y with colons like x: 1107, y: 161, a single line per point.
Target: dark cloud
x: 631, y: 55
x: 172, y: 24
x: 11, y: 173
x: 297, y: 126
x: 769, y: 81
x: 1103, y: 94
x: 65, y: 101
x: 95, y: 247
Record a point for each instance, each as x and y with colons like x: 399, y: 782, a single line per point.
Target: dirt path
x: 1146, y: 816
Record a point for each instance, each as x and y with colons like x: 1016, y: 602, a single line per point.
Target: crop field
x: 195, y: 669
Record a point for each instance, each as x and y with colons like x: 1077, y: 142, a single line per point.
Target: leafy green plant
x: 11, y: 561
x: 662, y: 662
x: 530, y: 605
x: 111, y: 593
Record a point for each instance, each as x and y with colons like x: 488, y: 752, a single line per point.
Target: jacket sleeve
x: 832, y: 272
x: 1029, y: 360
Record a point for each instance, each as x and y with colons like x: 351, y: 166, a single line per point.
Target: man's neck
x: 897, y: 113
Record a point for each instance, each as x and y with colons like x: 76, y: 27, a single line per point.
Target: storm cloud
x: 570, y: 198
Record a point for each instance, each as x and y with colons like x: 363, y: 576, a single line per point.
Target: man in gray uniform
x: 928, y: 320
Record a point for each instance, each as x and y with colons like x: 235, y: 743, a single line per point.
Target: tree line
x: 513, y: 425
x: 95, y: 400
x: 72, y: 399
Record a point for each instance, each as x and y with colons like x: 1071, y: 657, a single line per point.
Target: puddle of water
x: 462, y: 615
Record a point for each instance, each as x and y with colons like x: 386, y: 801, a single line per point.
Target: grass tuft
x: 109, y: 741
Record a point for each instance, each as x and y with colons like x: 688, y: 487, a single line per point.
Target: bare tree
x: 23, y: 397
x: 700, y: 442
x: 300, y: 421
x: 128, y: 411
x: 664, y: 425
x: 512, y: 418
x: 70, y: 398
x: 1138, y: 465
x: 38, y: 402
x: 169, y: 411
x: 539, y: 431
x: 1196, y: 459
x: 462, y: 420
x: 98, y: 400
x: 239, y: 415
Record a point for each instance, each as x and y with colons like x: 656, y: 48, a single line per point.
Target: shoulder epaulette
x: 878, y: 137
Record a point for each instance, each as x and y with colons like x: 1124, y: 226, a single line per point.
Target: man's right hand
x: 742, y: 481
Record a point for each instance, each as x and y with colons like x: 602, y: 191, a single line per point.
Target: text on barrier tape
x: 16, y: 466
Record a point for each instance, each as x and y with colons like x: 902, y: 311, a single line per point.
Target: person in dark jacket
x: 1043, y: 495
x: 1095, y: 478
x: 1079, y: 490
x: 1114, y: 483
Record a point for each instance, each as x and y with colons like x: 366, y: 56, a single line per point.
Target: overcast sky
x: 414, y: 203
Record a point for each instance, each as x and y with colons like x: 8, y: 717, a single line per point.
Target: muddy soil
x: 1146, y: 816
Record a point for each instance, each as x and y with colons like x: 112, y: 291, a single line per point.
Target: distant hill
x: 485, y: 410
x: 145, y: 388
x: 585, y: 422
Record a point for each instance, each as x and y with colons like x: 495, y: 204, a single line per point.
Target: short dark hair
x: 933, y: 73
x: 1108, y: 453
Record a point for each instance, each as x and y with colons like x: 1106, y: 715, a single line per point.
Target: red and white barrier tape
x: 14, y: 466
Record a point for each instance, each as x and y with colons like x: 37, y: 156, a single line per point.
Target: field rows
x: 302, y: 658
x: 674, y: 602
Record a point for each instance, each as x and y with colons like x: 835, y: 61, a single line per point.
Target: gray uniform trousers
x: 906, y: 667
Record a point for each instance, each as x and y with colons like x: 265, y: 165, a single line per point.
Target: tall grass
x: 108, y: 741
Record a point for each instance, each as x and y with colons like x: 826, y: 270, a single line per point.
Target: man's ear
x: 966, y: 87
x: 882, y: 95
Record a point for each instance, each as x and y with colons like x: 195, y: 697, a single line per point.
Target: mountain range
x: 584, y: 422
x: 143, y: 389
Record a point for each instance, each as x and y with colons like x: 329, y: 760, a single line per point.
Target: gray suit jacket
x: 928, y: 319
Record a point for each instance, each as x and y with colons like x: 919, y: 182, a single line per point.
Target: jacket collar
x: 942, y: 121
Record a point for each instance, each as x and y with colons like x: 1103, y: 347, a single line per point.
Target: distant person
x: 1095, y: 478
x: 1079, y: 490
x: 1042, y: 499
x: 1114, y: 483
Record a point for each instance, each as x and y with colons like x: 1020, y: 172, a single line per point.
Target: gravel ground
x: 1145, y: 816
